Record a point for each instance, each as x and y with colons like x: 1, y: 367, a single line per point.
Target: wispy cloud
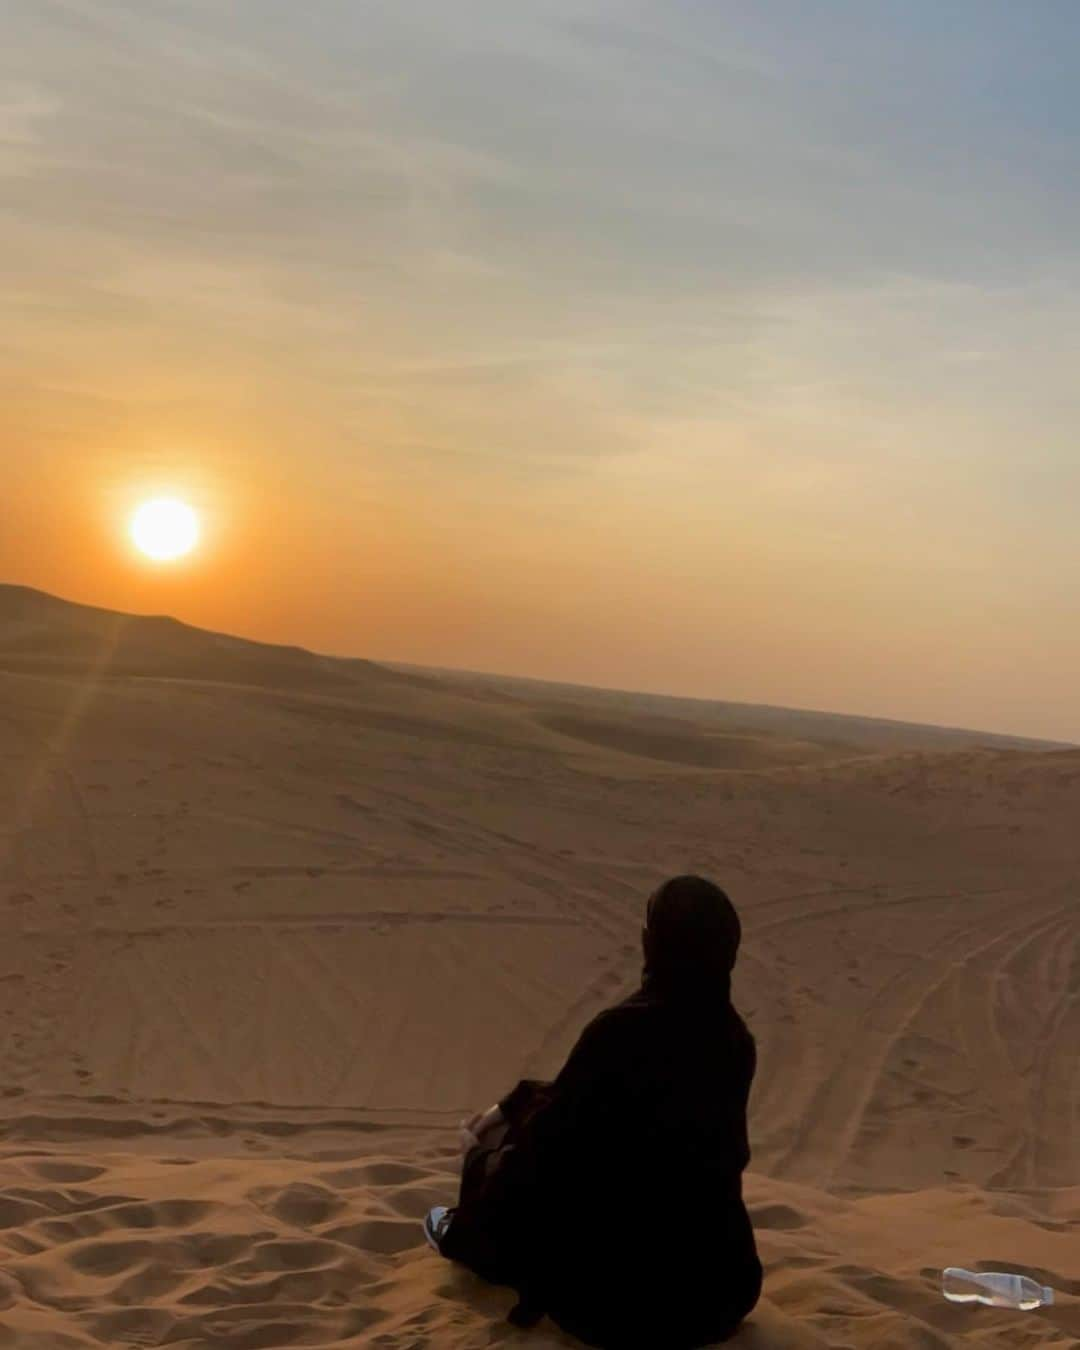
x: 816, y: 260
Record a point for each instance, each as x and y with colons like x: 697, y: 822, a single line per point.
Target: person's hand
x: 491, y: 1119
x: 474, y: 1129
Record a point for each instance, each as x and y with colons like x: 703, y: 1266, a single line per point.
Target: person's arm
x: 583, y: 1097
x: 586, y: 1067
x: 552, y: 1138
x: 522, y: 1100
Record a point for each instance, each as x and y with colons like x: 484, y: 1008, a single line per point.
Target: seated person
x: 611, y: 1199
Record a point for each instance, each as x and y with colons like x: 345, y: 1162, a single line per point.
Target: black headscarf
x: 693, y: 940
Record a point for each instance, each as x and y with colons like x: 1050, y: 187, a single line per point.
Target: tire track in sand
x: 829, y: 1123
x: 1051, y: 1084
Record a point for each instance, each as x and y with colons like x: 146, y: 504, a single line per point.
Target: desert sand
x: 274, y: 922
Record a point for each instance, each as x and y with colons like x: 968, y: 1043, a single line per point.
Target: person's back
x: 617, y: 1208
x: 649, y: 1229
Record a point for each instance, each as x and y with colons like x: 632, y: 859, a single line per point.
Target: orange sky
x: 528, y: 345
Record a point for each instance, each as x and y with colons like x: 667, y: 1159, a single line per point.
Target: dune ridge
x: 270, y: 931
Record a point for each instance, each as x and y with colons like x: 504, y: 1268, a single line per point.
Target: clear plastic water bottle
x: 998, y: 1288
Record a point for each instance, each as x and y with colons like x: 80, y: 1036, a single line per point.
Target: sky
x: 707, y: 348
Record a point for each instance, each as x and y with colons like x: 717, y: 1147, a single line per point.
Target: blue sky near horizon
x: 719, y: 349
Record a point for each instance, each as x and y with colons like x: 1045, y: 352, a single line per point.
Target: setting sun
x: 165, y: 529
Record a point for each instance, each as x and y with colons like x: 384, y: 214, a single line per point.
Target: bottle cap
x: 1048, y: 1294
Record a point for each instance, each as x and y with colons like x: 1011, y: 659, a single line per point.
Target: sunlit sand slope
x: 271, y: 927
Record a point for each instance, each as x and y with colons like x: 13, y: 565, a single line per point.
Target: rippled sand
x: 273, y: 923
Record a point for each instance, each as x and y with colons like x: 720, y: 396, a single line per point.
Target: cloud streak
x: 808, y: 268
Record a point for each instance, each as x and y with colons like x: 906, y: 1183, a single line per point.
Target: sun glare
x: 165, y: 529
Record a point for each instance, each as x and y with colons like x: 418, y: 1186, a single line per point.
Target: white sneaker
x: 436, y: 1222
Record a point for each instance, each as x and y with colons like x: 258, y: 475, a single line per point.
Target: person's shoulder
x: 612, y: 1022
x: 602, y: 1042
x: 625, y: 1020
x: 613, y: 1037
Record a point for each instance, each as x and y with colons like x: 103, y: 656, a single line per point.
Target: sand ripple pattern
x: 259, y: 1252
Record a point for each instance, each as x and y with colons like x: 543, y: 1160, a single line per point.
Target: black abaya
x: 614, y: 1201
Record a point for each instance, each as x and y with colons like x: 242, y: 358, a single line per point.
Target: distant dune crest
x: 43, y: 634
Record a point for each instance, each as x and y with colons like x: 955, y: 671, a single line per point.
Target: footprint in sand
x: 301, y: 1204
x: 780, y: 1217
x: 60, y: 1170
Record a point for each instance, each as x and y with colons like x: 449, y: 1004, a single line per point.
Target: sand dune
x: 829, y: 731
x: 45, y: 634
x: 273, y: 922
